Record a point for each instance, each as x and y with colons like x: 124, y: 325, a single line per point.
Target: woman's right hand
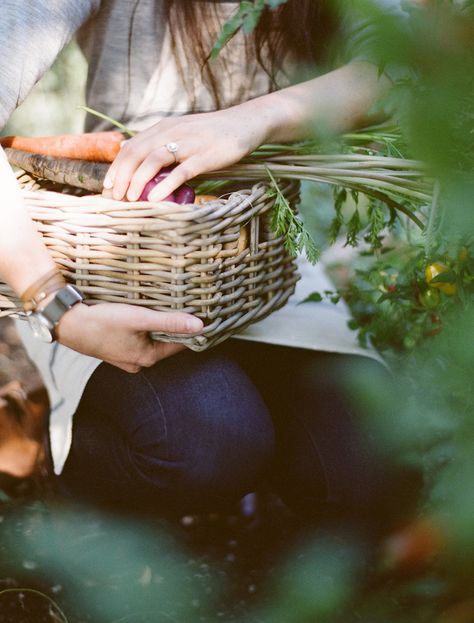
x: 116, y: 333
x: 120, y: 334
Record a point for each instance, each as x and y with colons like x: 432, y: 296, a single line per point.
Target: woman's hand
x: 119, y: 333
x: 206, y: 142
x: 332, y: 103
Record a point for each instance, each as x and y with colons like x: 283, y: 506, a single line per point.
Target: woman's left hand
x: 205, y: 142
x: 332, y: 103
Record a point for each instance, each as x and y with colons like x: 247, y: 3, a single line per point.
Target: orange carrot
x: 96, y: 146
x: 202, y: 199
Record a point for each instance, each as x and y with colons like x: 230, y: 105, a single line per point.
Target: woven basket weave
x: 220, y: 261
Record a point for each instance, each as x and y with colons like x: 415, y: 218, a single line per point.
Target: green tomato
x: 409, y: 342
x: 430, y: 298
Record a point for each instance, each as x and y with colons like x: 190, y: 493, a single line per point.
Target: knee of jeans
x: 206, y: 471
x: 219, y: 449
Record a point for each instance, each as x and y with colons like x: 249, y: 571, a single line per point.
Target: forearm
x: 333, y: 103
x: 23, y: 255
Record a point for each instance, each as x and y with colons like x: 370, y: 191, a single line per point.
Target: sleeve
x: 32, y: 34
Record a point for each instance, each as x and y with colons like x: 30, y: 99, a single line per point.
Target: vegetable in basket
x: 183, y: 194
x: 93, y: 147
x: 81, y: 173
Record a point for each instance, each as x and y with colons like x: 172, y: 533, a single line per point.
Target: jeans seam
x: 318, y: 454
x: 157, y: 398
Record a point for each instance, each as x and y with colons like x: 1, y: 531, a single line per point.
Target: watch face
x: 40, y: 331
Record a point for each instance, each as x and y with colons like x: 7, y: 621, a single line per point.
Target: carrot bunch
x: 93, y: 147
x: 80, y: 160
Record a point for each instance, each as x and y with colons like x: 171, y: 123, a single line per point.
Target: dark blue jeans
x: 199, y: 430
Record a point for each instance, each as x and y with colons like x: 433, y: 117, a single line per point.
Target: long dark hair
x: 302, y: 28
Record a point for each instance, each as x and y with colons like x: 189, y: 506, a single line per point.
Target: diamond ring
x: 172, y: 148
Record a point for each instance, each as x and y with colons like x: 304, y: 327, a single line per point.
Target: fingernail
x: 108, y: 183
x: 194, y: 325
x: 132, y: 196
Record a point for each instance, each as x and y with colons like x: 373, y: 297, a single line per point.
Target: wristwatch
x: 43, y: 322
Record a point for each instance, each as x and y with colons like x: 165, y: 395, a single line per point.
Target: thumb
x: 168, y: 322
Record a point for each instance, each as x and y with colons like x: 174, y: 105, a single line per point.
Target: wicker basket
x: 220, y: 261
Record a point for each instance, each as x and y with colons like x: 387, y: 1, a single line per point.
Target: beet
x: 149, y: 186
x: 185, y: 194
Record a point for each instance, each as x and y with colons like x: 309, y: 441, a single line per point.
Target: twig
x: 38, y: 593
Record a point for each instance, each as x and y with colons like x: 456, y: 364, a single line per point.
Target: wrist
x: 278, y: 118
x: 266, y: 118
x: 258, y: 118
x: 35, y: 297
x: 47, y: 316
x: 68, y: 323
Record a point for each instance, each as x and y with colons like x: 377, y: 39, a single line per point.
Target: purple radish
x: 185, y: 194
x: 149, y: 186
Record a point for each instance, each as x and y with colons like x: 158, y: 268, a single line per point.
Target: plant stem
x: 101, y: 115
x: 433, y: 220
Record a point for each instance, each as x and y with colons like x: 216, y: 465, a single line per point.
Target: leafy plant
x: 245, y: 18
x: 285, y: 222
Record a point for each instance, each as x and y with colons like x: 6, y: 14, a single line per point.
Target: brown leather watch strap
x: 43, y: 287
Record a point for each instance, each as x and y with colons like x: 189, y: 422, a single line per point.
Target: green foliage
x: 434, y: 105
x: 433, y: 50
x: 285, y: 222
x: 110, y: 569
x: 245, y: 18
x: 376, y: 187
x: 340, y: 196
x: 322, y: 581
x: 376, y: 224
x: 393, y: 306
x: 421, y: 417
x: 353, y: 228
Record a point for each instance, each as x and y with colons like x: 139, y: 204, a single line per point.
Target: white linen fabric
x: 133, y: 77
